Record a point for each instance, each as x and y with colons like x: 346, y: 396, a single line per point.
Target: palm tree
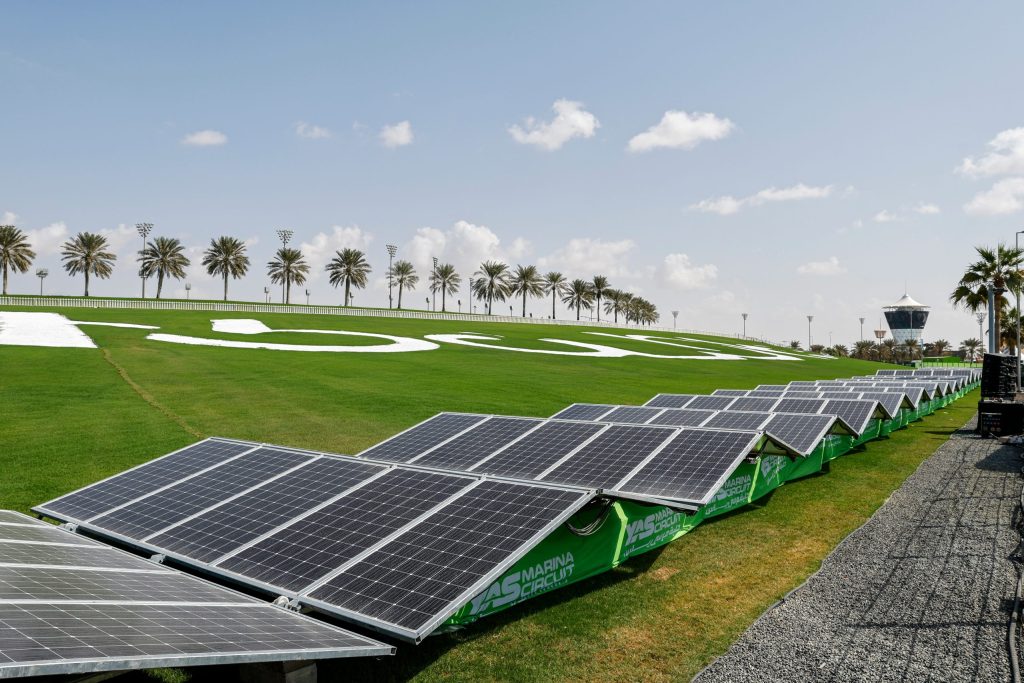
x: 554, y: 284
x: 444, y: 279
x: 15, y: 252
x: 288, y: 266
x: 226, y: 257
x: 578, y: 296
x: 913, y: 348
x: 863, y: 349
x: 87, y: 253
x: 1001, y: 267
x: 614, y: 300
x: 795, y: 345
x: 491, y: 282
x: 599, y: 285
x: 348, y: 267
x: 840, y: 351
x: 404, y: 275
x: 817, y: 348
x: 970, y: 348
x: 164, y: 257
x: 526, y: 281
x: 887, y: 350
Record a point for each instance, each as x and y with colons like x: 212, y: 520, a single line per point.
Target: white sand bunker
x: 248, y: 326
x: 41, y: 329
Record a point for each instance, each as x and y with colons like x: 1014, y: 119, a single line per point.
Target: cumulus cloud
x: 398, y: 135
x: 320, y: 249
x: 678, y: 272
x: 727, y: 205
x: 205, y: 138
x: 829, y: 266
x: 1005, y: 197
x: 47, y: 240
x: 1005, y: 156
x: 583, y: 257
x: 886, y: 216
x: 927, y: 209
x: 8, y: 218
x: 681, y: 130
x: 466, y: 245
x: 311, y: 132
x: 571, y: 121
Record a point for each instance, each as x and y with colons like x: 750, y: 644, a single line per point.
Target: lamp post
x: 675, y: 317
x: 861, y: 328
x: 810, y: 319
x: 143, y: 229
x: 285, y: 235
x: 879, y: 335
x: 392, y: 250
x: 307, y: 297
x: 266, y: 295
x: 188, y: 291
x: 428, y: 303
x: 744, y: 323
x: 433, y: 287
x: 460, y: 305
x: 41, y: 274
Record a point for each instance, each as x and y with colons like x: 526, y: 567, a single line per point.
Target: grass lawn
x: 72, y: 416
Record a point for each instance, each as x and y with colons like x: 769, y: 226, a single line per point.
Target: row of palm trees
x: 89, y: 254
x: 892, y: 351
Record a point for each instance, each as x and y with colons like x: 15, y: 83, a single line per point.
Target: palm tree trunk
x: 615, y: 313
x: 490, y: 301
x: 552, y: 303
x: 524, y: 304
x: 346, y: 293
x: 159, y: 282
x: 288, y: 290
x: 598, y: 308
x: 400, y: 287
x: 5, y: 278
x: 442, y: 299
x: 87, y: 282
x: 225, y: 285
x: 578, y: 307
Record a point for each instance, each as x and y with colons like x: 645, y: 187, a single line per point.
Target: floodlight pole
x: 744, y: 324
x: 143, y: 229
x: 980, y: 317
x: 41, y: 274
x: 285, y: 236
x: 810, y: 319
x: 188, y: 291
x: 433, y: 288
x: 861, y: 328
x: 307, y: 297
x: 266, y: 295
x: 392, y: 250
x: 675, y: 316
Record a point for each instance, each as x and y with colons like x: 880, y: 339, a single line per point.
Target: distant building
x: 906, y: 319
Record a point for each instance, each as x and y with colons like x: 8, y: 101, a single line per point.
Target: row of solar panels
x: 972, y: 374
x: 71, y: 605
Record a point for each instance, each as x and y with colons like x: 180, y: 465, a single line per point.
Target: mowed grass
x: 72, y: 416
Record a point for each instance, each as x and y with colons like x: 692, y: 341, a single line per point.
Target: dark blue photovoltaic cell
x: 682, y: 417
x: 538, y: 451
x: 611, y: 456
x: 421, y: 438
x: 670, y: 400
x: 476, y: 444
x: 583, y: 411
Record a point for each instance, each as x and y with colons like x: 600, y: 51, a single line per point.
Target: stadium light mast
x: 41, y: 274
x: 810, y: 319
x: 285, y: 235
x: 188, y: 291
x: 675, y: 316
x: 392, y: 250
x: 307, y: 297
x: 744, y: 323
x: 861, y: 328
x: 143, y: 229
x: 266, y: 295
x: 433, y: 288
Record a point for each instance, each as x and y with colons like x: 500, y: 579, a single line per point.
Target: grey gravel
x: 922, y: 592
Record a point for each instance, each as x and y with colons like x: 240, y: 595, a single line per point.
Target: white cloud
x: 320, y: 249
x: 828, y: 267
x: 398, y: 135
x: 679, y: 273
x: 205, y: 138
x: 1006, y: 156
x: 681, y: 130
x: 465, y: 245
x: 886, y: 216
x: 927, y: 209
x: 1005, y: 197
x: 311, y: 132
x: 520, y: 247
x: 8, y: 218
x: 122, y: 240
x: 49, y: 239
x: 571, y: 121
x: 727, y: 204
x: 584, y: 257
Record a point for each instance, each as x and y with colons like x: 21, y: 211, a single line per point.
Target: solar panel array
x: 71, y: 605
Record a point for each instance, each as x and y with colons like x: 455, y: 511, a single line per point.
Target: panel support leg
x: 278, y: 672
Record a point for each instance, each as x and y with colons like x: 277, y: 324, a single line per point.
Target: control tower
x: 906, y: 319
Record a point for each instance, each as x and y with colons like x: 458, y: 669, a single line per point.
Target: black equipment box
x: 1000, y: 418
x: 999, y: 376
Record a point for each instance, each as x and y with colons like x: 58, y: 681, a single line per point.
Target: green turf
x: 71, y: 416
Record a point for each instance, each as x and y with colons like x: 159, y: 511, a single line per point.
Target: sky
x: 780, y: 159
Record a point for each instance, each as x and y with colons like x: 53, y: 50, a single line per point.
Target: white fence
x: 228, y: 307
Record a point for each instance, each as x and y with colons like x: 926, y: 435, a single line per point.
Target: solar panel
x: 766, y: 393
x: 167, y: 506
x: 729, y: 392
x: 754, y: 403
x: 802, y: 432
x: 670, y: 400
x: 801, y: 383
x: 432, y: 569
x: 539, y: 450
x: 891, y: 402
x: 479, y: 442
x: 854, y: 412
x: 710, y: 402
x: 682, y: 417
x: 609, y: 457
x: 885, y: 372
x: 105, y: 610
x: 632, y: 414
x: 139, y: 481
x: 799, y: 393
x: 236, y: 522
x: 799, y: 405
x: 408, y: 444
x: 311, y: 547
x: 772, y: 386
x: 692, y: 465
x: 583, y: 411
x: 728, y: 419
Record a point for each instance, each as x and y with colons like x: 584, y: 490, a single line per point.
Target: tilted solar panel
x: 609, y: 457
x: 670, y: 400
x: 682, y: 417
x: 891, y: 402
x: 799, y: 405
x: 477, y: 443
x: 802, y: 393
x: 729, y: 392
x: 710, y: 402
x: 422, y: 437
x: 802, y: 432
x: 528, y: 457
x: 729, y: 419
x: 583, y: 411
x: 632, y: 414
x: 857, y: 413
x: 754, y: 403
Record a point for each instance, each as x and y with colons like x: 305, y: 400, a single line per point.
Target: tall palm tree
x: 226, y: 257
x: 554, y: 284
x: 404, y: 275
x: 87, y: 253
x: 862, y: 349
x: 491, y: 282
x: 349, y: 267
x: 940, y: 346
x: 1001, y: 267
x: 444, y: 279
x: 164, y: 257
x: 840, y: 351
x: 887, y: 350
x: 288, y: 266
x: 526, y: 281
x: 15, y: 252
x: 599, y: 285
x: 970, y: 348
x: 613, y: 303
x: 913, y: 348
x: 578, y: 296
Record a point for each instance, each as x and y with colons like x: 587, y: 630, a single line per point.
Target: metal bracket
x: 286, y: 603
x: 158, y: 558
x: 69, y: 526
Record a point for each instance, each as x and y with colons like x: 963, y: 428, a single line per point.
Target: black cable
x: 594, y: 526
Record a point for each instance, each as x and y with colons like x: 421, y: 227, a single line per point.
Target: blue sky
x: 836, y: 133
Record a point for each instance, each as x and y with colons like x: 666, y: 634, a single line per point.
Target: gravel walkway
x: 921, y: 592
